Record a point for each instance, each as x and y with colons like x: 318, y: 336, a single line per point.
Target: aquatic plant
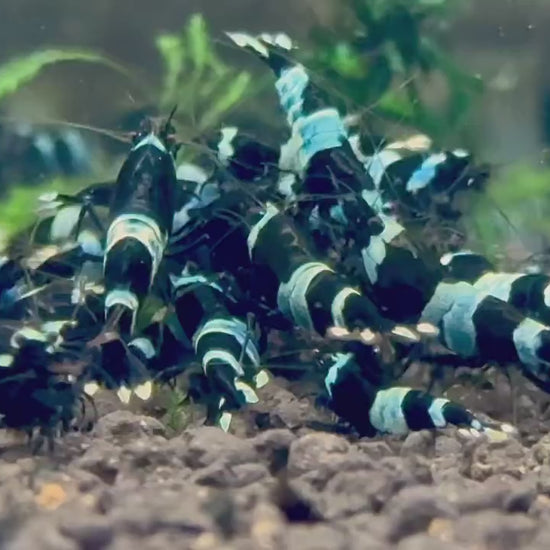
x: 382, y: 50
x: 195, y: 78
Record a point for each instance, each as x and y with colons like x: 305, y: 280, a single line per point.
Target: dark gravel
x: 130, y: 484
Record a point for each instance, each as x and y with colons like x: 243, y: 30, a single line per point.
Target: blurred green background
x: 467, y: 72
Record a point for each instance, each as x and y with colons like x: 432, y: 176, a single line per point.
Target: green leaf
x: 210, y: 87
x: 380, y: 79
x: 17, y: 210
x: 151, y: 306
x: 172, y: 52
x: 397, y: 106
x: 346, y: 61
x: 522, y: 193
x: 19, y: 71
x: 394, y: 57
x: 232, y: 95
x: 519, y: 183
x: 198, y: 42
x: 177, y: 409
x: 389, y: 39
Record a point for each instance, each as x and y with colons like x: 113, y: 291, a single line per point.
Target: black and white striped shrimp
x: 141, y: 215
x: 466, y: 317
x: 231, y: 254
x: 33, y: 154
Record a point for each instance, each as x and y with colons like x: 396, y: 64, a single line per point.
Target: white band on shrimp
x: 340, y: 361
x: 452, y: 306
x: 290, y: 87
x: 225, y: 145
x: 183, y: 280
x: 144, y: 345
x: 436, y: 412
x: 527, y: 339
x: 270, y: 213
x: 425, y: 173
x: 374, y: 254
x: 233, y: 327
x: 320, y: 131
x: 123, y: 297
x: 498, y: 285
x: 386, y: 413
x: 150, y: 139
x: 338, y: 305
x: 292, y: 299
x: 141, y: 228
x: 65, y: 222
x: 223, y: 356
x: 376, y: 164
